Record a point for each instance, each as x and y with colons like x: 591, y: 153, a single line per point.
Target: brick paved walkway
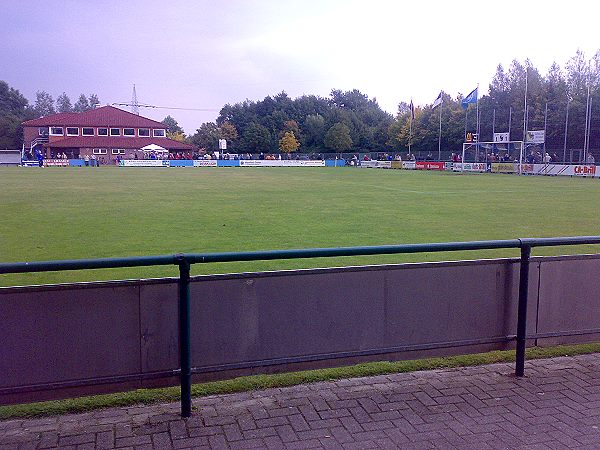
x: 557, y: 405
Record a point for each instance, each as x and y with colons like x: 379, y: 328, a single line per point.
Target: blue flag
x: 471, y: 98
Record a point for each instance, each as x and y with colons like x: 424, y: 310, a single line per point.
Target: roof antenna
x: 135, y: 107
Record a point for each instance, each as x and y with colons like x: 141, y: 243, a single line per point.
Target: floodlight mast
x: 135, y: 107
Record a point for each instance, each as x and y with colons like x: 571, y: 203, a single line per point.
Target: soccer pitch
x: 72, y: 213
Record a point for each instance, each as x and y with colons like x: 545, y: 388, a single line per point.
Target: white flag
x: 438, y: 100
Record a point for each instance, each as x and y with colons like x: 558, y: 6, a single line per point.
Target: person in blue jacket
x: 40, y: 158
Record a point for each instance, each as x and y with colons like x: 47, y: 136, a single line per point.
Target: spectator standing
x: 40, y: 158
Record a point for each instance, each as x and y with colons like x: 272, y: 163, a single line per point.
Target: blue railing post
x: 185, y: 353
x: 522, y: 313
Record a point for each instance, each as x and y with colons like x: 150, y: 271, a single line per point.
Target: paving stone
x: 555, y: 406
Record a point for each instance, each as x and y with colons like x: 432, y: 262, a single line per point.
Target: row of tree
x: 45, y: 104
x: 343, y: 122
x: 556, y: 102
x: 351, y: 121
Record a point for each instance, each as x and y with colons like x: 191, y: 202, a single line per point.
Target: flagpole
x: 587, y: 109
x: 545, y: 127
x: 566, y: 129
x: 493, y: 134
x: 589, y: 128
x: 477, y: 127
x: 523, y: 147
x: 440, y: 133
x: 412, y: 108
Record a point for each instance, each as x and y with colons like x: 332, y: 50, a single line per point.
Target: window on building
x: 144, y: 132
x: 87, y: 131
x: 118, y: 151
x: 56, y: 131
x: 115, y: 132
x: 43, y: 131
x: 99, y: 151
x: 102, y: 131
x: 128, y: 132
x: 72, y: 131
x: 159, y: 133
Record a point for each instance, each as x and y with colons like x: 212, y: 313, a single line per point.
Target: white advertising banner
x: 501, y: 137
x: 144, y: 163
x: 582, y: 170
x: 536, y: 137
x: 411, y: 165
x: 376, y: 164
x: 205, y: 163
x: 280, y: 163
x: 56, y: 162
x: 585, y: 171
x: 469, y: 167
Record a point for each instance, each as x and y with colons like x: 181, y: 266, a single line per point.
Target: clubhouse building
x: 107, y: 132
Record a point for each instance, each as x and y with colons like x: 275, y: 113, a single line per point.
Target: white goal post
x: 508, y: 151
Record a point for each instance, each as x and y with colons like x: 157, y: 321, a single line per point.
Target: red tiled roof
x: 105, y: 116
x: 117, y: 142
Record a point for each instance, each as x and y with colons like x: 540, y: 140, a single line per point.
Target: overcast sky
x: 203, y: 54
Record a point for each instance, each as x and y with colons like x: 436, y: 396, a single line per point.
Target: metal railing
x: 185, y: 260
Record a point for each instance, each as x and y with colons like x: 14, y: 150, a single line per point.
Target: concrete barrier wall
x: 66, y: 340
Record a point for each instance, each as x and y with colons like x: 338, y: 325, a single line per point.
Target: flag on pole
x: 471, y: 98
x: 438, y: 101
x: 412, y: 110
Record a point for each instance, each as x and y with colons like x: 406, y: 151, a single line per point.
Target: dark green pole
x: 522, y: 317
x: 185, y: 353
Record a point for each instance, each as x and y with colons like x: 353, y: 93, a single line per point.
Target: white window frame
x: 43, y: 131
x: 62, y: 131
x: 102, y: 128
x: 87, y: 128
x: 164, y: 132
x: 110, y: 132
x: 99, y: 151
x: 140, y: 135
x: 129, y: 135
x: 72, y: 128
x: 117, y: 151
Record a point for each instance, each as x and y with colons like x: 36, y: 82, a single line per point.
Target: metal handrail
x: 184, y: 260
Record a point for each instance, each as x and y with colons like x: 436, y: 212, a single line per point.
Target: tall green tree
x: 44, y: 104
x: 257, y: 138
x: 82, y: 104
x: 314, y: 130
x: 63, y: 103
x: 338, y: 138
x: 93, y: 101
x: 206, y: 137
x: 13, y: 111
x: 172, y: 125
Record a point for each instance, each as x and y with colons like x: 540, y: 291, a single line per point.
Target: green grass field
x: 70, y: 213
